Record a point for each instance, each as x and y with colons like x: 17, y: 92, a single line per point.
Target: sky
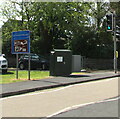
x: 2, y: 2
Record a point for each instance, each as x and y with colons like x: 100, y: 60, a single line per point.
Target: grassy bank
x: 10, y: 77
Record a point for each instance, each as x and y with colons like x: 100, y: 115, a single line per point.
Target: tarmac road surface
x: 47, y: 103
x: 105, y: 108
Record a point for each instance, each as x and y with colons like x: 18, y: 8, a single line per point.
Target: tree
x: 53, y: 23
x: 70, y: 25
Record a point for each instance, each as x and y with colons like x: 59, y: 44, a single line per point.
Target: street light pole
x: 115, y: 44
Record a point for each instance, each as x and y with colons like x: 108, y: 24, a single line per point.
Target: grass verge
x: 10, y: 76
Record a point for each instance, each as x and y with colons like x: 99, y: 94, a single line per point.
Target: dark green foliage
x: 76, y: 26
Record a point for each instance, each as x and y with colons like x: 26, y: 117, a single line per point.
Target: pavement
x: 35, y: 85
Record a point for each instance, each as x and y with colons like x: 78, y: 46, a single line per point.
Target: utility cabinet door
x: 52, y: 64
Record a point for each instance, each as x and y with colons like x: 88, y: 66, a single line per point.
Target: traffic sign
x: 117, y: 32
x: 20, y: 42
x: 116, y: 54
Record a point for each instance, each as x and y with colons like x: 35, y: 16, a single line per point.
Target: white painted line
x: 55, y: 90
x: 80, y: 105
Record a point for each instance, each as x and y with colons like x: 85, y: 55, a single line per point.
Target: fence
x: 102, y: 64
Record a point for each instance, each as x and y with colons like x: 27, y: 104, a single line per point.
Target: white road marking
x: 81, y: 105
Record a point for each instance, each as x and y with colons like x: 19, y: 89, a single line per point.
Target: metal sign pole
x: 29, y: 68
x: 16, y: 66
x: 115, y: 45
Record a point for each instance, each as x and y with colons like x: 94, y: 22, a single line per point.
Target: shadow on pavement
x: 7, y: 73
x: 76, y: 76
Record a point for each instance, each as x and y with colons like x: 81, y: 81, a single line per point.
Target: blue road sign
x: 20, y: 42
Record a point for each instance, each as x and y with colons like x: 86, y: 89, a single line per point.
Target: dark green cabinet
x: 60, y: 62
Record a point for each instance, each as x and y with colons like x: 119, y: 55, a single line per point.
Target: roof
x: 62, y: 50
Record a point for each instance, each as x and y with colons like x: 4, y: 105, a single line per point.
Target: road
x: 48, y: 103
x: 105, y: 108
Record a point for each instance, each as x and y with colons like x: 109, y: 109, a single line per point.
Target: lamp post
x: 115, y: 44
